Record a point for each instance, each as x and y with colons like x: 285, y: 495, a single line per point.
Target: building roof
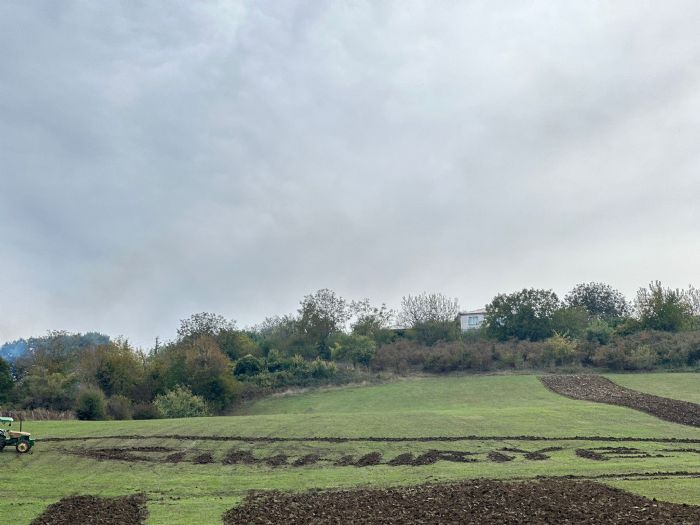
x: 478, y: 311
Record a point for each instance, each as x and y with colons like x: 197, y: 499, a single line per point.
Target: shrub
x: 90, y: 405
x: 180, y: 402
x: 146, y: 411
x: 559, y: 350
x: 119, y: 407
x: 247, y: 366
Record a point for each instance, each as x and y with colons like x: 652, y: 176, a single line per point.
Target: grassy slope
x: 480, y: 405
x: 685, y: 386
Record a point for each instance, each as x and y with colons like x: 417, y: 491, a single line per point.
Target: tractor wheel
x: 22, y: 447
x: 2, y: 444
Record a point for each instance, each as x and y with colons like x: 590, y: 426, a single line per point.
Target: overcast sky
x: 163, y: 158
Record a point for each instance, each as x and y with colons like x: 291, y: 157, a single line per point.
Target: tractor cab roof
x: 6, y: 420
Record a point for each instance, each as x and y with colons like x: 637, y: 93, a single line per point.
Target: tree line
x: 212, y: 364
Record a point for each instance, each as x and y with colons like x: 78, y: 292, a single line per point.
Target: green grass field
x: 482, y: 406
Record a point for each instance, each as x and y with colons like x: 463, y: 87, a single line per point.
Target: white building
x: 471, y: 320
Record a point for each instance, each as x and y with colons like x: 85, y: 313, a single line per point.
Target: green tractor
x: 22, y: 441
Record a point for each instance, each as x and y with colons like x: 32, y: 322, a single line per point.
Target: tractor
x: 22, y: 441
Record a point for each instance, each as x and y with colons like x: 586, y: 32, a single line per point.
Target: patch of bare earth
x: 601, y: 390
x: 92, y: 510
x: 483, y: 502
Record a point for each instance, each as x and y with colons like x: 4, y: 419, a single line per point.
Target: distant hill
x: 13, y: 350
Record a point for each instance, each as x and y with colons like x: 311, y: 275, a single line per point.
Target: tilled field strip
x: 126, y: 510
x: 372, y: 439
x: 601, y: 390
x: 483, y: 502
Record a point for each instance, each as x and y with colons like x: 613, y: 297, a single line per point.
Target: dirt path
x: 601, y: 390
x: 484, y: 502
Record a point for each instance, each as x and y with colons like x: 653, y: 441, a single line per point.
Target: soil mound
x: 345, y: 461
x: 373, y: 458
x: 204, y: 459
x: 483, y: 502
x: 590, y: 454
x: 499, y: 457
x: 401, y: 459
x: 276, y: 461
x: 175, y: 457
x: 91, y: 510
x: 535, y: 456
x: 309, y: 459
x: 236, y: 457
x: 601, y: 390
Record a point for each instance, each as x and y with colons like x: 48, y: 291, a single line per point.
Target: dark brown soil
x: 550, y: 449
x: 590, y: 454
x: 483, y: 502
x: 176, y: 457
x: 204, y: 459
x: 309, y: 459
x: 368, y: 460
x: 91, y: 510
x: 276, y: 461
x: 602, y: 390
x: 434, y: 456
x: 345, y: 461
x: 237, y: 457
x: 401, y: 460
x: 535, y: 456
x: 499, y: 457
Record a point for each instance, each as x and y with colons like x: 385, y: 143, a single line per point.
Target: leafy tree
x: 115, y: 367
x: 432, y: 316
x: 180, y: 402
x: 355, y: 349
x: 600, y: 300
x: 236, y: 344
x: 6, y: 382
x: 279, y: 333
x: 321, y: 314
x: 559, y: 349
x: 693, y: 295
x: 663, y: 309
x: 570, y: 320
x: 527, y: 314
x: 247, y: 366
x: 90, y: 405
x: 43, y: 389
x: 370, y: 320
x: 203, y: 323
x: 599, y: 332
x: 427, y: 307
x: 199, y: 365
x: 119, y: 407
x: 432, y: 332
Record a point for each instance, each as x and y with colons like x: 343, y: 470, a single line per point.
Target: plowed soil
x: 590, y: 454
x: 601, y: 390
x: 499, y: 457
x: 91, y: 510
x: 483, y: 502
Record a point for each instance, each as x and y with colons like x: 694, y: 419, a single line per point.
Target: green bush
x: 90, y: 405
x: 119, y: 407
x: 247, y: 366
x: 180, y: 402
x: 146, y: 411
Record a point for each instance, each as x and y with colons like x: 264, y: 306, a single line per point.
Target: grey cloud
x: 166, y: 158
